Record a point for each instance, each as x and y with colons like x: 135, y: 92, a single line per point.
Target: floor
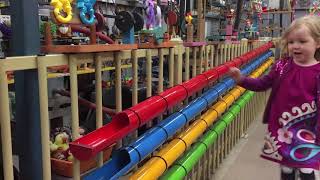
x: 244, y: 162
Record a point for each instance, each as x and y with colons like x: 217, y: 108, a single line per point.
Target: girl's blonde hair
x: 312, y: 23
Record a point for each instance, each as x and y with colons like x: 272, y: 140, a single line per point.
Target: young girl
x: 291, y: 111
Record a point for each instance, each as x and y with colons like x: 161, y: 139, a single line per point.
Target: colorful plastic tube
x: 166, y: 156
x: 185, y: 164
x: 153, y: 138
x: 125, y: 122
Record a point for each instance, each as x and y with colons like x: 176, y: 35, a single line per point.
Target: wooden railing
x: 181, y: 62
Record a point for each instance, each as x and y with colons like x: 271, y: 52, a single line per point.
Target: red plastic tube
x: 197, y: 83
x: 130, y: 119
x: 238, y: 62
x: 147, y: 109
x: 230, y: 64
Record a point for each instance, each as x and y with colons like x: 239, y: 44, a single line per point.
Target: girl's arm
x: 254, y: 84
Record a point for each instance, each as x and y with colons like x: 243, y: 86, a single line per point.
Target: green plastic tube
x: 235, y: 109
x: 219, y: 127
x: 227, y: 118
x: 210, y: 137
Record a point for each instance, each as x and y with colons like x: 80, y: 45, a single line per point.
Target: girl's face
x: 302, y: 46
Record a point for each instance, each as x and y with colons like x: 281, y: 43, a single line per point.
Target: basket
x: 64, y: 168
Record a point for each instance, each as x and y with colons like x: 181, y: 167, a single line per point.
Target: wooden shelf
x: 272, y: 29
x: 87, y: 48
x: 217, y: 4
x: 156, y: 46
x: 277, y: 12
x: 133, y: 3
x: 194, y: 44
x: 81, y: 71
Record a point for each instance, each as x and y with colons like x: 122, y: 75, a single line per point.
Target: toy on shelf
x: 78, y: 28
x: 230, y: 16
x: 249, y: 30
x: 153, y: 35
x: 189, y: 27
x: 257, y: 10
x: 6, y: 29
x: 62, y: 6
x: 151, y: 15
x: 253, y: 21
x: 128, y: 23
x: 200, y: 39
x: 86, y: 11
x: 172, y: 27
x: 61, y: 157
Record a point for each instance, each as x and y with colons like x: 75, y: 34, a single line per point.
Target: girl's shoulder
x: 284, y: 65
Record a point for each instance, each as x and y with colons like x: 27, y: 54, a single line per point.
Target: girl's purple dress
x: 290, y: 113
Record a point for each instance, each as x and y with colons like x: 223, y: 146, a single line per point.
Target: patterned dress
x: 291, y: 114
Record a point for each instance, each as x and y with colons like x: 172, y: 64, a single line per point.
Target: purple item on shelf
x: 151, y: 19
x: 6, y: 31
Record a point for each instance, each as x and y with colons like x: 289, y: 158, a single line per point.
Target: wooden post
x: 5, y: 126
x: 134, y: 78
x: 74, y: 110
x: 161, y: 59
x: 44, y: 116
x: 171, y: 66
x: 93, y: 37
x: 99, y: 116
x: 201, y: 20
x: 118, y: 87
x: 194, y: 61
x: 47, y: 34
x: 189, y: 32
x: 149, y: 73
x: 187, y: 65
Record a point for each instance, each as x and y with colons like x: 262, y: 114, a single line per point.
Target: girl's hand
x: 235, y: 74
